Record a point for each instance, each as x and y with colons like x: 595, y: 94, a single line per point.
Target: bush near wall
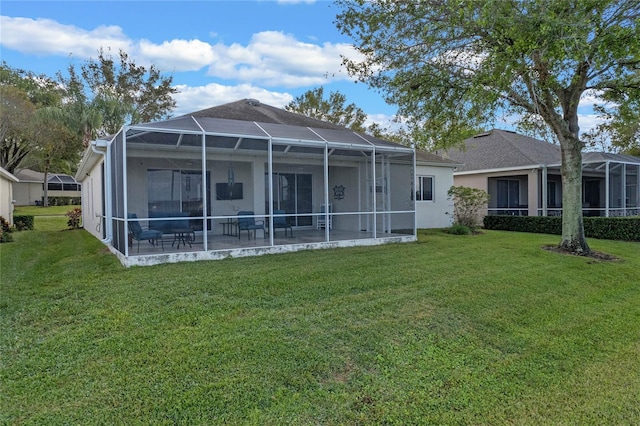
x: 23, y: 222
x: 63, y: 201
x: 608, y: 228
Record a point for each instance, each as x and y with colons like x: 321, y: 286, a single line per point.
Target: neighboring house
x: 30, y: 189
x: 7, y: 180
x: 199, y: 179
x: 523, y: 177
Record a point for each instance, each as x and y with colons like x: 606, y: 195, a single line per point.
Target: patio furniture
x: 139, y: 234
x: 182, y: 235
x: 281, y: 221
x: 322, y: 219
x: 247, y: 222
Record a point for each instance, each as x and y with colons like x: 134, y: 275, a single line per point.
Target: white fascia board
x: 8, y: 175
x: 436, y: 164
x: 90, y: 158
x: 498, y: 170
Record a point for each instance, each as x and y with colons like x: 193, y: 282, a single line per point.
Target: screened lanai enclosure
x: 209, y: 188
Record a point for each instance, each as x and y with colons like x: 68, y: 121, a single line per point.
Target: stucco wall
x: 26, y: 193
x: 92, y: 207
x: 6, y: 199
x: 529, y: 188
x: 434, y: 214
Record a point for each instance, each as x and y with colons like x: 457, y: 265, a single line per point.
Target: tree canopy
x: 451, y: 66
x: 22, y: 93
x: 334, y: 109
x: 45, y: 123
x: 121, y: 91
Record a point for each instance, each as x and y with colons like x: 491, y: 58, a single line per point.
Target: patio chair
x: 281, y: 221
x: 139, y: 234
x: 249, y: 224
x: 322, y: 218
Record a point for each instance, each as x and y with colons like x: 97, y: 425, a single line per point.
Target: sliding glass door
x: 177, y: 191
x: 292, y: 192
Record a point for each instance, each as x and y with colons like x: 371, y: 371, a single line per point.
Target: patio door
x: 178, y: 191
x: 292, y: 192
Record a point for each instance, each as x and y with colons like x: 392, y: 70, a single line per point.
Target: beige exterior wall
x: 529, y: 185
x: 92, y: 208
x: 26, y: 193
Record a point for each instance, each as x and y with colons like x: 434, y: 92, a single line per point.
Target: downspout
x: 413, y: 191
x: 108, y: 211
x: 545, y: 191
x: 606, y: 189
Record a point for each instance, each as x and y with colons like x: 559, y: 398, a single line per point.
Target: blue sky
x: 216, y: 51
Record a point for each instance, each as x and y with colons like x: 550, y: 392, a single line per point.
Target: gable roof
x: 499, y: 149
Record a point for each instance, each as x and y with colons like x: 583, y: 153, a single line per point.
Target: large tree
x: 123, y: 92
x: 454, y: 65
x: 21, y: 94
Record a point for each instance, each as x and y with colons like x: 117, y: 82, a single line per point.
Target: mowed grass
x: 51, y: 218
x: 485, y: 329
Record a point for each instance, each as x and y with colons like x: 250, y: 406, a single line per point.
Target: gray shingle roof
x: 601, y: 157
x: 429, y: 157
x: 498, y: 149
x: 253, y: 110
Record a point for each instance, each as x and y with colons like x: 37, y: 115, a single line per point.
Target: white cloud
x: 190, y: 99
x: 48, y: 37
x: 178, y: 55
x: 271, y: 58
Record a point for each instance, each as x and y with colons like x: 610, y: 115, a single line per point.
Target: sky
x: 215, y: 51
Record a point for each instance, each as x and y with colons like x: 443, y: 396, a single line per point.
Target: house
x: 523, y: 176
x: 222, y: 181
x: 7, y: 180
x: 30, y: 189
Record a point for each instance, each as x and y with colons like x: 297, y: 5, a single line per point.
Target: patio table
x: 182, y: 235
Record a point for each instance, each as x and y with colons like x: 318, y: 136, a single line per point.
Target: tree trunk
x: 573, y: 238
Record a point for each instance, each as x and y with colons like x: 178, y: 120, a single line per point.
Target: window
x: 508, y: 193
x: 424, y: 190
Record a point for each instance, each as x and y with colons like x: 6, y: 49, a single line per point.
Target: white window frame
x: 419, y: 186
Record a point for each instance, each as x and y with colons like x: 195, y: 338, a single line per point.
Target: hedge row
x: 608, y: 228
x: 62, y: 201
x: 23, y: 222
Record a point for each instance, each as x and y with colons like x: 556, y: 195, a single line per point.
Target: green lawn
x: 487, y: 329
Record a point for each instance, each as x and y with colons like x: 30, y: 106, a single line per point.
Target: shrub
x: 62, y: 201
x: 5, y: 231
x: 467, y: 204
x: 459, y: 229
x: 74, y: 215
x: 609, y: 228
x: 23, y: 222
